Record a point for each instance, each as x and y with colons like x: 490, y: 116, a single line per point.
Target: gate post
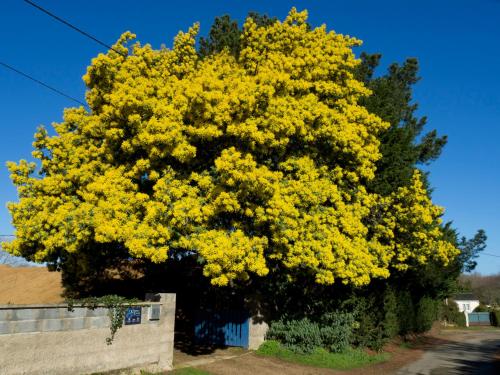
x: 466, y: 318
x: 257, y: 331
x: 166, y: 328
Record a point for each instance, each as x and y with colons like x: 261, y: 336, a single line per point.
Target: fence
x: 479, y: 319
x: 49, y: 339
x: 230, y: 328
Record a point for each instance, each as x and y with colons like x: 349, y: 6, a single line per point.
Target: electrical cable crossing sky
x: 50, y: 87
x: 10, y: 67
x: 73, y: 27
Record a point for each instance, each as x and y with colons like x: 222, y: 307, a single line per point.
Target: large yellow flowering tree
x: 252, y: 164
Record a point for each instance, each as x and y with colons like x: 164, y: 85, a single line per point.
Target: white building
x: 466, y: 302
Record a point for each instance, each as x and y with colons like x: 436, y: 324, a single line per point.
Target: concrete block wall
x: 46, y: 318
x: 49, y: 339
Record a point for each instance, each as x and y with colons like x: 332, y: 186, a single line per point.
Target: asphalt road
x: 471, y: 352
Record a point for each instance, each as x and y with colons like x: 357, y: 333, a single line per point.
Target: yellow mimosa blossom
x: 252, y: 164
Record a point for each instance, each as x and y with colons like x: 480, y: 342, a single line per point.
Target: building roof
x: 465, y: 297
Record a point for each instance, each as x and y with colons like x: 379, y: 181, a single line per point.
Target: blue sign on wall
x: 133, y: 315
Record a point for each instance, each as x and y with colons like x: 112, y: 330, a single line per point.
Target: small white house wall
x: 472, y: 304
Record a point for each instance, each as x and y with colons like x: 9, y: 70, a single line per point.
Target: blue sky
x: 457, y: 43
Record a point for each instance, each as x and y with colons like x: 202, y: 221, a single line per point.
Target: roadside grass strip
x: 350, y: 359
x: 181, y: 371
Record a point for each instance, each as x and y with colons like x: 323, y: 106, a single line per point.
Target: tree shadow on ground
x: 187, y: 344
x: 481, y: 358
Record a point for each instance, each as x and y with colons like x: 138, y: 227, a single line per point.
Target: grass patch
x: 189, y: 371
x: 181, y: 371
x: 471, y: 328
x: 412, y: 343
x: 407, y: 345
x: 347, y: 360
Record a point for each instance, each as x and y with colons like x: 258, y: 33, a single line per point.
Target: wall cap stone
x: 65, y: 305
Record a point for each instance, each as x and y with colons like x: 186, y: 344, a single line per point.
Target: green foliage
x: 470, y: 249
x: 369, y: 330
x: 270, y: 347
x: 450, y: 314
x: 370, y: 334
x: 377, y: 312
x: 400, y: 312
x: 225, y: 34
x: 482, y: 308
x: 406, y: 313
x: 460, y: 320
x: 181, y: 371
x: 427, y: 314
x: 390, y: 321
x: 495, y: 318
x: 116, y: 305
x: 336, y: 331
x: 300, y: 336
x: 349, y: 359
x: 99, y: 270
x: 332, y: 332
x: 403, y: 147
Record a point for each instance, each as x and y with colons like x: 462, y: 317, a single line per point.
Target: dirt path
x: 462, y: 352
x: 448, y: 352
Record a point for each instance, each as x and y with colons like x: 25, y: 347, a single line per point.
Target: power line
x: 10, y: 67
x: 73, y: 27
x: 491, y: 255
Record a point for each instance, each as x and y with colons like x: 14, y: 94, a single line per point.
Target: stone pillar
x: 257, y: 331
x: 166, y: 327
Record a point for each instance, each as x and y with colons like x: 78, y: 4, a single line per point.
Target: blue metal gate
x: 222, y: 328
x: 479, y: 319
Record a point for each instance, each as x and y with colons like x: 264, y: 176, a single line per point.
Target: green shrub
x: 300, y: 336
x: 181, y: 371
x: 376, y: 322
x: 460, y: 320
x: 372, y: 336
x: 495, y: 318
x: 370, y: 323
x: 406, y: 313
x: 390, y: 323
x: 336, y: 331
x: 426, y: 314
x: 332, y: 332
x: 451, y: 314
x: 269, y: 347
x: 482, y: 308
